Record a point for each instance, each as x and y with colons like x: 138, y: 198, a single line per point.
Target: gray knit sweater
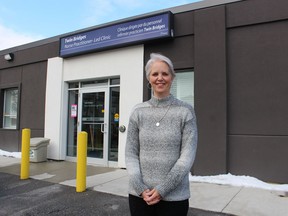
x: 161, y: 157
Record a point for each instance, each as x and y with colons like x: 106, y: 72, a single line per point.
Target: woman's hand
x: 151, y: 197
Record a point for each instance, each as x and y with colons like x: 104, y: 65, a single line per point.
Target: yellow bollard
x: 25, y: 151
x: 81, y: 162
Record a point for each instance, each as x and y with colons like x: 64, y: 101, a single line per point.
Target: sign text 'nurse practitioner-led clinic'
x: 136, y: 31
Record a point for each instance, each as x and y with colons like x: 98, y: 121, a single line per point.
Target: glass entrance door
x: 94, y: 108
x: 94, y: 118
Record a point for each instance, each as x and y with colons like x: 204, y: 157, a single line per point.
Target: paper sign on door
x: 73, y: 110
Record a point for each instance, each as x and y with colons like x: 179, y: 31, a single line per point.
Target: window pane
x: 10, y: 108
x: 74, y: 85
x: 94, y: 83
x: 114, y: 124
x: 72, y: 123
x: 115, y: 81
x: 183, y: 87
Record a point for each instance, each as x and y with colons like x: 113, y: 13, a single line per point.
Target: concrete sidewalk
x: 209, y: 197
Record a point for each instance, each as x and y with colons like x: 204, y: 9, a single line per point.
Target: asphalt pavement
x: 37, y: 197
x: 51, y: 190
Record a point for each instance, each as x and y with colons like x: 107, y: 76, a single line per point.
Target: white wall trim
x: 56, y: 100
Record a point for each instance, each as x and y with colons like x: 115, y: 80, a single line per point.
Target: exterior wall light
x: 9, y: 57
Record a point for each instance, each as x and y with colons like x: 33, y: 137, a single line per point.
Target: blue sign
x: 148, y: 28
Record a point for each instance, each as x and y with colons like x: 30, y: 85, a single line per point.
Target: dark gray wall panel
x: 179, y: 50
x: 210, y: 90
x: 184, y: 24
x: 258, y: 79
x: 263, y: 157
x: 33, y: 96
x: 10, y: 76
x: 256, y: 11
x: 9, y: 140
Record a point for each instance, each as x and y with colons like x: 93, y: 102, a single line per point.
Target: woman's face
x: 160, y: 79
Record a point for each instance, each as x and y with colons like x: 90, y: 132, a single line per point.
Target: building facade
x: 231, y: 64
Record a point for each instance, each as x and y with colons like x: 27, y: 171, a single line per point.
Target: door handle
x: 103, y: 127
x: 122, y: 128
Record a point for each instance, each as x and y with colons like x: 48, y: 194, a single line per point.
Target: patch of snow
x: 42, y: 176
x: 10, y: 154
x: 238, y: 181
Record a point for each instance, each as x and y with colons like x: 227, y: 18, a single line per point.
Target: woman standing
x: 161, y: 147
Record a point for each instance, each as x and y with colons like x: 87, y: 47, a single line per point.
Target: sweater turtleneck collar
x: 161, y: 102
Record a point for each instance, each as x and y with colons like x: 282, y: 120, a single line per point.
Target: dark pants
x: 138, y: 207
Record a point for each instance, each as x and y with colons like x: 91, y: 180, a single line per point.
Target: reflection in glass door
x: 94, y: 122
